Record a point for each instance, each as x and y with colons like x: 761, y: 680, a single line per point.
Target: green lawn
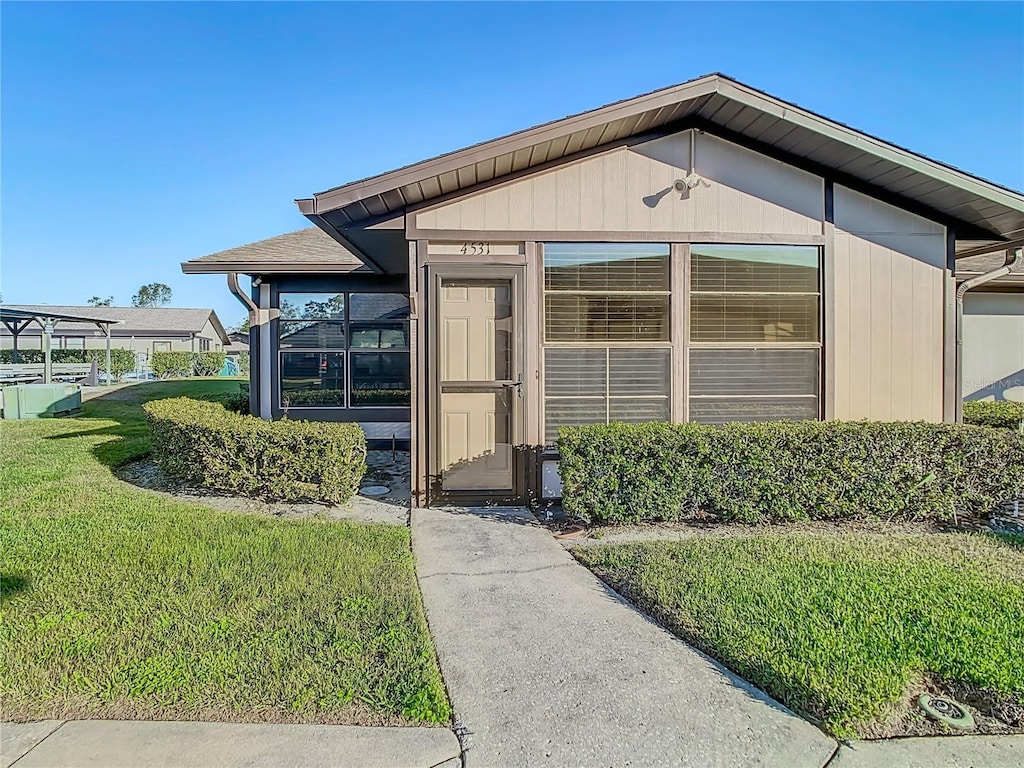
x: 122, y: 603
x: 838, y: 627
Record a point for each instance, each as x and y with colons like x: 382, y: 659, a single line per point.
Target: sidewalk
x: 546, y: 666
x: 153, y: 744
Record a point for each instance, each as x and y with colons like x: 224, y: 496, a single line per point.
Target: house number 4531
x: 476, y: 249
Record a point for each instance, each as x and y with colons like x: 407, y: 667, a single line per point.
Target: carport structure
x: 17, y: 320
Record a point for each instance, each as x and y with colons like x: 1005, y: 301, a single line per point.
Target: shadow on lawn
x: 12, y: 584
x: 130, y: 429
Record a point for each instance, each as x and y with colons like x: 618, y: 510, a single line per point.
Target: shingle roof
x: 304, y: 250
x: 133, y: 320
x: 970, y: 266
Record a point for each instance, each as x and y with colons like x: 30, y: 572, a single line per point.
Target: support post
x: 107, y: 329
x: 15, y: 327
x: 47, y: 356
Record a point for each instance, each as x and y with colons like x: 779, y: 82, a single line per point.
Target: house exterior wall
x: 629, y: 189
x: 210, y: 332
x: 993, y: 345
x: 889, y: 286
x: 885, y: 279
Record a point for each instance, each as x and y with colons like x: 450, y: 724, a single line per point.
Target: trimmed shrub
x: 171, y: 364
x: 122, y: 361
x: 306, y: 398
x: 779, y: 471
x: 208, y: 363
x: 1003, y: 414
x: 27, y: 356
x: 203, y: 443
x: 385, y: 398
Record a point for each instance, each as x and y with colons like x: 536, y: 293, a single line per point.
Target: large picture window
x: 607, y: 350
x: 344, y: 350
x: 755, y: 346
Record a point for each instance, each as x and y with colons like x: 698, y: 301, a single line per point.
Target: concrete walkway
x: 546, y: 666
x: 936, y: 752
x: 151, y: 744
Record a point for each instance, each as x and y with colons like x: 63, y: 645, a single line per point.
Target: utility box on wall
x: 42, y: 401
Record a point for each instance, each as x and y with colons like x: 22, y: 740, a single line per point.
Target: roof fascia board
x: 706, y: 86
x: 829, y: 128
x: 262, y: 268
x: 359, y: 190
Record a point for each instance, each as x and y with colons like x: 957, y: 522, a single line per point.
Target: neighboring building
x: 704, y: 253
x: 141, y: 329
x: 993, y: 333
x: 239, y: 342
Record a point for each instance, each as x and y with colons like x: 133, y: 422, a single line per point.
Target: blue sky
x: 138, y: 135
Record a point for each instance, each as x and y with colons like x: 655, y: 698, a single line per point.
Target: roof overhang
x: 309, y: 250
x: 41, y: 314
x: 974, y: 208
x: 259, y: 268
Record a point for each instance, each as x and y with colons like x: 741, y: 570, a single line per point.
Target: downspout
x: 255, y: 319
x: 1013, y: 258
x: 241, y: 295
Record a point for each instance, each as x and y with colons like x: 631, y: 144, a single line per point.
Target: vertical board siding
x: 629, y: 188
x: 888, y: 300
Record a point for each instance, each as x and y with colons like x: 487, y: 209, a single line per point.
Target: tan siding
x: 843, y: 333
x: 993, y: 346
x: 629, y: 189
x: 889, y: 293
x: 210, y: 332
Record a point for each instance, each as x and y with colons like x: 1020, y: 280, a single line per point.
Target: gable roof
x: 150, y: 321
x: 976, y: 208
x: 305, y: 250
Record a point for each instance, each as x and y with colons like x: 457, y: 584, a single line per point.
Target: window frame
x: 671, y: 344
x: 679, y: 328
x: 345, y: 322
x: 818, y: 344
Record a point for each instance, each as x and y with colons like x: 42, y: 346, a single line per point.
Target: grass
x: 122, y: 603
x: 838, y: 628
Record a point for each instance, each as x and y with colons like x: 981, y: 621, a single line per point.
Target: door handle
x: 518, y: 384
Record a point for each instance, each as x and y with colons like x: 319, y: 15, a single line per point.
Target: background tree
x: 242, y: 327
x: 96, y: 301
x: 152, y: 295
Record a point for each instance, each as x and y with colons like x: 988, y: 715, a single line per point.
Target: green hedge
x: 122, y: 361
x: 202, y: 442
x: 305, y: 398
x: 384, y: 398
x: 171, y: 364
x: 208, y: 363
x: 988, y: 413
x: 777, y: 471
